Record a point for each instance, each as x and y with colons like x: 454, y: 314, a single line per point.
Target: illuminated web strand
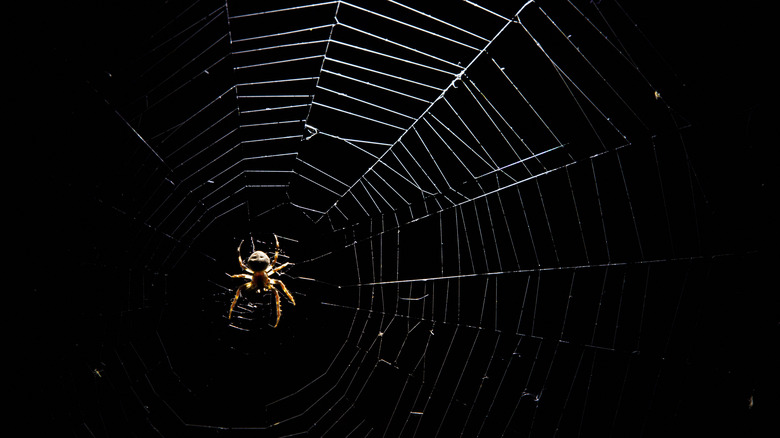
x: 188, y: 33
x: 570, y: 82
x: 394, y: 58
x: 276, y: 11
x: 417, y: 28
x: 438, y: 20
x: 381, y: 87
x: 593, y: 67
x: 274, y: 35
x: 365, y: 102
x: 279, y: 46
x: 536, y: 113
x: 385, y: 74
x: 529, y: 270
x: 399, y: 45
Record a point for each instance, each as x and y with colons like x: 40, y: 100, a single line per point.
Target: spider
x: 260, y: 267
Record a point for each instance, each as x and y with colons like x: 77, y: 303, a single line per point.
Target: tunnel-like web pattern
x: 493, y: 223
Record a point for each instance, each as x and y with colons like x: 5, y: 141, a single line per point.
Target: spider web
x: 500, y: 217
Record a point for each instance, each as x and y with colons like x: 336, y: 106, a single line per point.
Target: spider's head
x: 258, y: 261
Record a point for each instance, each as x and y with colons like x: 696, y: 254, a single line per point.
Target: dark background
x: 59, y: 126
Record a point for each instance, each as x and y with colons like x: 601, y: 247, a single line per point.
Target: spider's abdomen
x: 261, y: 280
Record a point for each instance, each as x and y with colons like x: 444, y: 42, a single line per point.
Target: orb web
x: 494, y: 222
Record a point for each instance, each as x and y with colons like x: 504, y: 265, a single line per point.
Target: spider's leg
x: 241, y: 262
x: 284, y: 289
x: 241, y: 288
x: 278, y: 268
x: 276, y: 253
x: 244, y: 276
x: 278, y: 304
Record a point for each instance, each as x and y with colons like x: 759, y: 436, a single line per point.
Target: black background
x: 57, y: 166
